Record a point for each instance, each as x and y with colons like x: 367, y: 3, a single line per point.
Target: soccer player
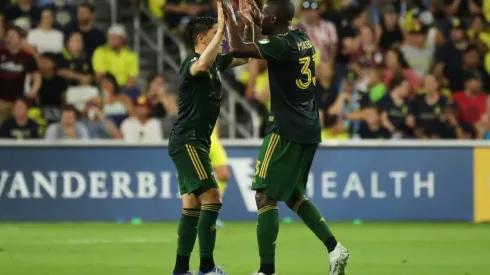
x: 199, y: 106
x: 219, y: 161
x: 293, y: 132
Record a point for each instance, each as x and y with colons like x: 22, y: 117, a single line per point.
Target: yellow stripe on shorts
x: 201, y: 172
x: 268, y: 154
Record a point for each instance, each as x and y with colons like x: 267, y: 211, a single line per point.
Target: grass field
x: 123, y: 249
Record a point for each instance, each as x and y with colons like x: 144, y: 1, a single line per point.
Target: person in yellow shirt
x: 219, y: 161
x: 116, y: 59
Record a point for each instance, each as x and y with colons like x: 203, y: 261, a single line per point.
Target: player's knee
x: 190, y: 201
x: 222, y: 173
x: 262, y: 200
x: 211, y: 196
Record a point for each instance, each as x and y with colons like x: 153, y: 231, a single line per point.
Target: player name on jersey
x: 304, y: 45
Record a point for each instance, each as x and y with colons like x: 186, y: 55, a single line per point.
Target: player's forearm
x: 208, y: 56
x: 238, y: 48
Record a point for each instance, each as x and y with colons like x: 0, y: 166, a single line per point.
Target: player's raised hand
x: 221, y: 17
x: 228, y: 10
x: 245, y: 12
x: 256, y: 12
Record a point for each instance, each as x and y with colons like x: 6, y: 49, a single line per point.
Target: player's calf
x: 312, y: 217
x: 187, y: 233
x: 210, y: 207
x: 267, y: 230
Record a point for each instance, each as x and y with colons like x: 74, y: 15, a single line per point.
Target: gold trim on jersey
x: 268, y: 154
x: 201, y: 172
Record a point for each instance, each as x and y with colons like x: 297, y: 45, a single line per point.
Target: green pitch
x: 376, y: 248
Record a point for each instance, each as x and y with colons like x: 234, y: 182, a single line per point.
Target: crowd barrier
x: 376, y: 181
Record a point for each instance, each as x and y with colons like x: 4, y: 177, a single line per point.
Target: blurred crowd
x: 386, y: 69
x: 62, y: 78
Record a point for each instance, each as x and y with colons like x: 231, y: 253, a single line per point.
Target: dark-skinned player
x: 293, y: 131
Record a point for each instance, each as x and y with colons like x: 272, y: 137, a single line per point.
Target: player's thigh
x: 190, y: 201
x: 277, y: 168
x: 307, y: 155
x: 195, y: 173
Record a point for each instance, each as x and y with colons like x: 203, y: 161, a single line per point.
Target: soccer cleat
x: 220, y: 224
x: 338, y: 260
x: 187, y: 273
x: 217, y: 270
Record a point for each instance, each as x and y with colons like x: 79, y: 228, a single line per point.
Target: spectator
x: 45, y: 38
x: 322, y: 33
x: 372, y: 128
x: 69, y: 127
x: 163, y: 102
x: 99, y: 127
x: 23, y: 14
x: 52, y: 89
x: 449, y: 58
x: 483, y: 126
x: 117, y: 106
x: 451, y: 127
x: 116, y: 59
x: 347, y: 107
x: 427, y: 108
x: 389, y: 32
x: 471, y: 100
x: 178, y: 12
x: 395, y: 64
x: 73, y: 64
x: 92, y: 37
x: 419, y: 49
x: 15, y: 65
x: 394, y: 108
x: 20, y: 126
x: 368, y: 55
x: 479, y: 34
x: 142, y: 127
x: 63, y: 10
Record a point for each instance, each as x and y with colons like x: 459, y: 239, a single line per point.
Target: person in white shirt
x: 45, y: 38
x: 142, y: 127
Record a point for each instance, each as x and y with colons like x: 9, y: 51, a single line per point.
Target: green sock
x: 312, y: 217
x: 187, y: 231
x: 267, y: 231
x: 206, y: 229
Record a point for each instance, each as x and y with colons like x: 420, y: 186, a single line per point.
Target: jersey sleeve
x: 273, y: 48
x: 223, y: 61
x: 186, y: 66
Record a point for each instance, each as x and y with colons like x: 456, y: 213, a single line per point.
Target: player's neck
x: 199, y: 49
x: 280, y: 30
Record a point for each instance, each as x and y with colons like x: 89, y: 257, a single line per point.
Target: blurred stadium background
x: 88, y: 95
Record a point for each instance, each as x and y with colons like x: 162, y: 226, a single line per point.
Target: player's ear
x: 273, y: 19
x: 200, y: 39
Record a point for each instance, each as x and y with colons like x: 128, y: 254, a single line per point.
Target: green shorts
x: 194, y: 171
x: 282, y: 168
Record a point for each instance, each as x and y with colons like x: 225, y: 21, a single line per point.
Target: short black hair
x: 88, y: 6
x: 396, y: 81
x: 283, y: 10
x: 197, y: 26
x: 111, y: 78
x: 19, y: 30
x: 69, y: 108
x: 27, y: 102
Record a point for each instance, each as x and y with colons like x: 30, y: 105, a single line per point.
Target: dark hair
x: 401, y: 58
x: 283, y: 9
x: 88, y: 6
x: 52, y: 57
x: 396, y: 81
x: 111, y: 78
x: 151, y: 78
x: 70, y: 108
x: 24, y: 100
x: 197, y: 26
x: 19, y: 30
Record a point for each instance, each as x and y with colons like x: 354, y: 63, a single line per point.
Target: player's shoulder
x: 189, y: 60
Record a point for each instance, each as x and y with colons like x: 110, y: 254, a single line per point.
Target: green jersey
x: 199, y: 104
x: 291, y: 68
